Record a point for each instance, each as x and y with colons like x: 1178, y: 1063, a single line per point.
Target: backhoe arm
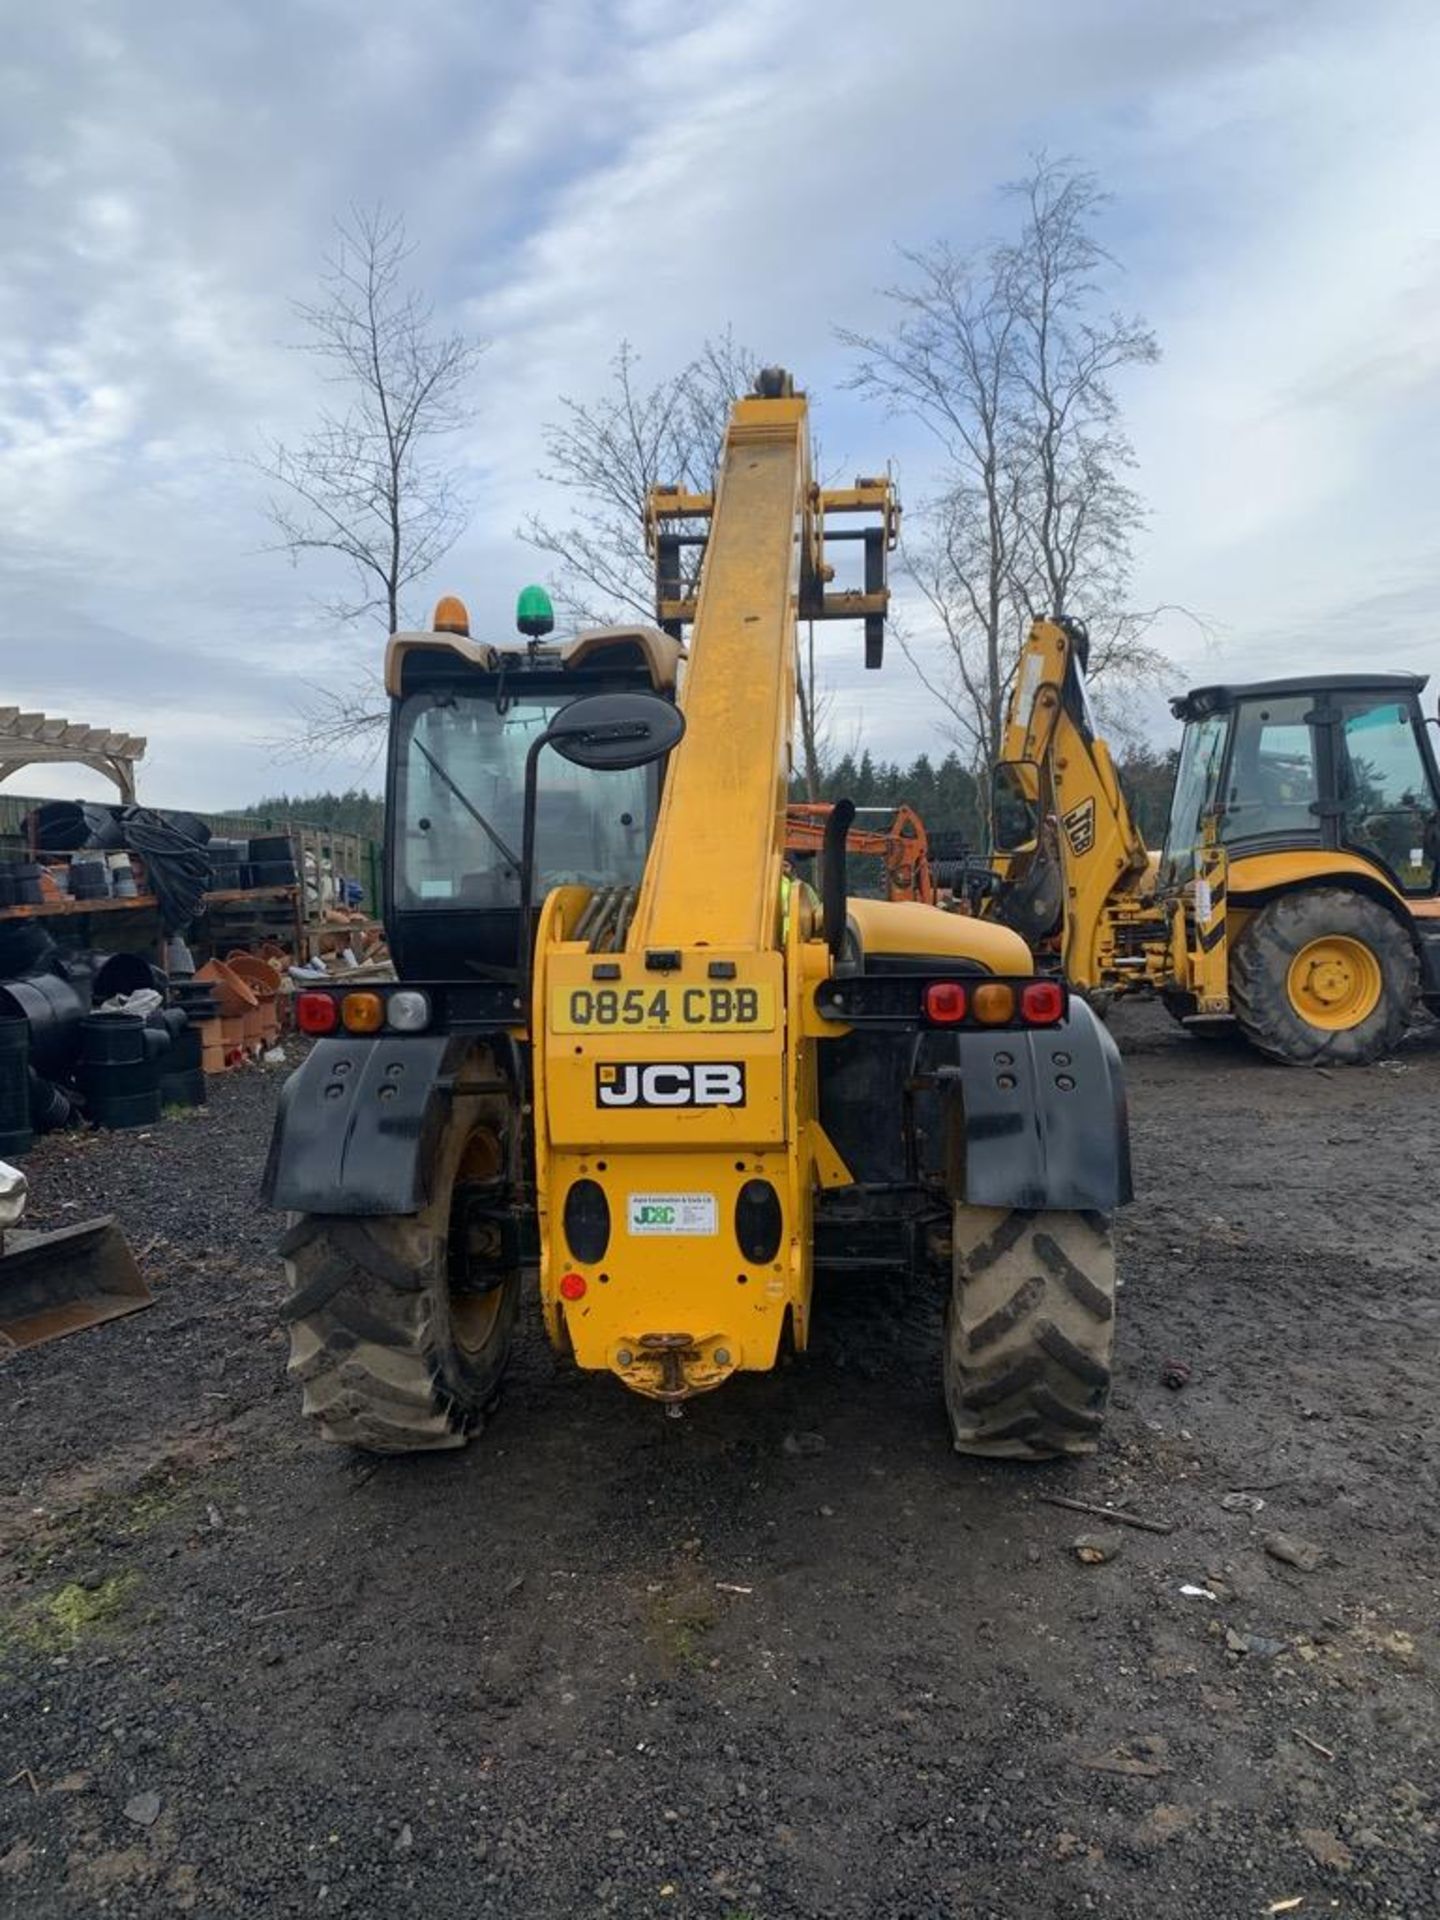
x: 1078, y: 851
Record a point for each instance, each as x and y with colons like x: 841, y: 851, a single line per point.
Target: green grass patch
x: 58, y: 1622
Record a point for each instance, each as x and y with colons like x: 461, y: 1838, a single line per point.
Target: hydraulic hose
x: 177, y: 867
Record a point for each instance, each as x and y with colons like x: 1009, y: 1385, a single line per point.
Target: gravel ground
x: 788, y: 1656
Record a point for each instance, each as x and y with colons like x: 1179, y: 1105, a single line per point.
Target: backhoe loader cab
x: 623, y: 1055
x: 1340, y: 763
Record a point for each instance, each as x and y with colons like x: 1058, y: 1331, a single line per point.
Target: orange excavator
x: 902, y: 844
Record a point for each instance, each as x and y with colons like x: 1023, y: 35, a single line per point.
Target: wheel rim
x: 1335, y: 982
x: 473, y: 1317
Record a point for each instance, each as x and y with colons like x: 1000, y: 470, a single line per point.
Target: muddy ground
x: 788, y: 1656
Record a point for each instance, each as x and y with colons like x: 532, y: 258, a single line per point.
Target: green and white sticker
x: 692, y: 1213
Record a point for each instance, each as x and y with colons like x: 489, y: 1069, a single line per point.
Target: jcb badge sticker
x: 670, y: 1083
x: 1080, y: 827
x: 690, y: 1213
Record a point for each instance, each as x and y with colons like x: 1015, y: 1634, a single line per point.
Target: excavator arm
x: 902, y: 845
x: 1066, y: 850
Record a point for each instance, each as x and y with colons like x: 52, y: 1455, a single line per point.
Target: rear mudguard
x: 356, y: 1122
x: 1039, y: 1120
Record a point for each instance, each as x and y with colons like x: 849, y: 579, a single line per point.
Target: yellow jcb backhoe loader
x: 615, y: 1053
x: 1297, y: 896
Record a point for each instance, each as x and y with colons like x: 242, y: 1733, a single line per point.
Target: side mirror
x: 611, y: 732
x: 1015, y: 806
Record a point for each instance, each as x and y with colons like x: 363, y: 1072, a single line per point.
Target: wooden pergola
x: 29, y: 738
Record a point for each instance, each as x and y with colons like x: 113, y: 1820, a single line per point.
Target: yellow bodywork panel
x: 1305, y: 866
x: 671, y: 1119
x: 909, y: 926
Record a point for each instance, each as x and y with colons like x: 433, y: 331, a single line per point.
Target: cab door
x: 1387, y: 797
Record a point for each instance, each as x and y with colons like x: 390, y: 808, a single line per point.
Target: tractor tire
x: 1323, y: 977
x: 1029, y: 1332
x: 391, y: 1358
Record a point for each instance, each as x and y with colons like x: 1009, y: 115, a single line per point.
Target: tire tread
x: 1260, y: 964
x: 370, y: 1339
x: 1029, y: 1332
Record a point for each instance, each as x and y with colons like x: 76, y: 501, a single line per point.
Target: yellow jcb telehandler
x: 619, y: 1053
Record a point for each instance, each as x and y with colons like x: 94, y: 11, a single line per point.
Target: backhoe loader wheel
x: 1029, y: 1332
x: 391, y: 1357
x: 1322, y: 976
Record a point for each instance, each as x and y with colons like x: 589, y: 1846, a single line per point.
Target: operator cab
x: 463, y: 718
x: 1342, y: 762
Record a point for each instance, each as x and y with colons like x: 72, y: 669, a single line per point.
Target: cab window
x: 1272, y: 785
x: 1196, y: 779
x: 1388, y: 805
x: 459, y: 807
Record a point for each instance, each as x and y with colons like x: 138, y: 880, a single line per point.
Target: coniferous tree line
x: 951, y: 801
x: 943, y: 792
x: 353, y: 811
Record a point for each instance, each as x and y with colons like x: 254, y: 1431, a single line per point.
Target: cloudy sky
x: 578, y: 171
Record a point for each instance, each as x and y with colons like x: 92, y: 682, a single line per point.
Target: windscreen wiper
x: 507, y: 853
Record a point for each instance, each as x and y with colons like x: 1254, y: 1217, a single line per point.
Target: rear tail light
x: 944, y: 1003
x: 362, y: 1012
x: 994, y: 1003
x: 1042, y: 1003
x: 316, y: 1013
x: 407, y: 1011
x: 987, y: 1003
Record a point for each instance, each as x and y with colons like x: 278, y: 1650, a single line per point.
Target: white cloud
x: 582, y: 169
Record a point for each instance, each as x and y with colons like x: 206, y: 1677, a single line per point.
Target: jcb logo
x: 1080, y: 827
x: 671, y: 1083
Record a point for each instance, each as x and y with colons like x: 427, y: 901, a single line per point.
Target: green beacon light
x: 534, y: 614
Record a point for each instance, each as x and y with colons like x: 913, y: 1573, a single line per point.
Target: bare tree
x: 366, y: 482
x: 608, y: 454
x: 1007, y: 358
x: 950, y: 362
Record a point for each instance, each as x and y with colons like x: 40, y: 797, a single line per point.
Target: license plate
x: 670, y: 1009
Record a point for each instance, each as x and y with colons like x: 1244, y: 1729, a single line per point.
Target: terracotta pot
x: 262, y: 979
x: 235, y: 995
